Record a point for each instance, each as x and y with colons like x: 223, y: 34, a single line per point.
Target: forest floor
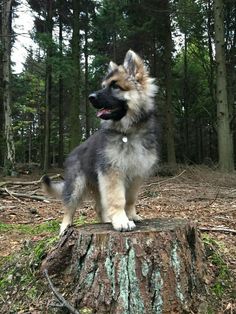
x: 28, y: 229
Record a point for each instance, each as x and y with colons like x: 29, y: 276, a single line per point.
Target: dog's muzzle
x: 93, y: 98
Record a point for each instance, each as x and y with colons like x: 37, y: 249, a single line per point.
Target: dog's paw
x: 122, y: 223
x: 135, y: 217
x: 63, y: 229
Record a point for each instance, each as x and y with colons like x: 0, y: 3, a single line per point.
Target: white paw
x: 135, y: 217
x: 63, y: 228
x: 122, y: 223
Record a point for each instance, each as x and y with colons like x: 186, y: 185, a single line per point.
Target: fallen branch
x: 29, y: 182
x: 60, y: 298
x: 169, y: 179
x: 17, y: 195
x: 13, y: 196
x: 217, y: 229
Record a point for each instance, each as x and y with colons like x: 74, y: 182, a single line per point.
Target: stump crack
x: 175, y: 261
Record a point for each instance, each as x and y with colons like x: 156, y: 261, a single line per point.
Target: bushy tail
x: 52, y: 188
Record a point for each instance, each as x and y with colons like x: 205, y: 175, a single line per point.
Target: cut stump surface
x: 157, y: 268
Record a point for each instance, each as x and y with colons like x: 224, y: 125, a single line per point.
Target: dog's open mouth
x: 104, y: 111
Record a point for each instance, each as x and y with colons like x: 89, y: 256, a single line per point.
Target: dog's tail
x: 54, y: 189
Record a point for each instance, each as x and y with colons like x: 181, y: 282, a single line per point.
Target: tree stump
x: 157, y: 268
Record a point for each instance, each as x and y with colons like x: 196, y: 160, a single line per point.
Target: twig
x: 7, y: 207
x: 59, y: 296
x: 28, y: 183
x: 210, y: 203
x: 227, y: 211
x: 217, y: 229
x: 169, y: 179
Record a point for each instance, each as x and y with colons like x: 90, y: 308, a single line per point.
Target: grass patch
x: 222, y: 281
x: 22, y: 287
x: 52, y: 226
x: 49, y: 226
x: 19, y: 275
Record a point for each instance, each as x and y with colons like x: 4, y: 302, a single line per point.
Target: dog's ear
x: 134, y: 65
x: 112, y: 66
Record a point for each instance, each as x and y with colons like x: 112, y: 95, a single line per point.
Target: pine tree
x: 9, y: 162
x: 225, y: 140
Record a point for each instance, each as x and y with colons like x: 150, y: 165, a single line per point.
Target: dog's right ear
x: 112, y: 66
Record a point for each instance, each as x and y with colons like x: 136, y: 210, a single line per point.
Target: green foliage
x: 113, y: 27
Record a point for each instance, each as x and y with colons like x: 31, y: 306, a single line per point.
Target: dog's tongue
x: 102, y: 112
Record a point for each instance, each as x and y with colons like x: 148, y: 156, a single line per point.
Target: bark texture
x: 158, y: 268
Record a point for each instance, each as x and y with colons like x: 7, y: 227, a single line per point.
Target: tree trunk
x: 87, y: 111
x: 48, y: 92
x: 185, y: 94
x: 171, y: 159
x: 225, y: 140
x: 9, y: 160
x: 210, y: 51
x: 61, y: 111
x: 2, y: 144
x: 75, y: 125
x: 157, y: 268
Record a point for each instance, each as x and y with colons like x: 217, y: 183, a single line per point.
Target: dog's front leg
x: 69, y: 212
x: 112, y: 190
x: 131, y: 197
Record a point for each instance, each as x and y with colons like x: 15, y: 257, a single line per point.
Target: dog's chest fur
x: 131, y: 155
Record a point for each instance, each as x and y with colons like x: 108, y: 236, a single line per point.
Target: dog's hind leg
x: 131, y: 196
x: 112, y: 190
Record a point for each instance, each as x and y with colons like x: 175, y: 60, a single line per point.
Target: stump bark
x: 157, y: 268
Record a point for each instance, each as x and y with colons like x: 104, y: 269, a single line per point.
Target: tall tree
x: 61, y: 87
x: 9, y: 164
x: 86, y: 73
x: 74, y: 115
x: 48, y: 84
x: 225, y: 140
x: 1, y: 98
x: 168, y: 45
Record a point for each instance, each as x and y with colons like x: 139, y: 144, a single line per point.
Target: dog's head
x: 126, y: 90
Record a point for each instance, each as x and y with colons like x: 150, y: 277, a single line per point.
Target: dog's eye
x: 114, y: 85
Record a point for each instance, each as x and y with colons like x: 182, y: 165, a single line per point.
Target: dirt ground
x: 199, y: 194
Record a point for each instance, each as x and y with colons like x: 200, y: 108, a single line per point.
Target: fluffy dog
x: 111, y: 165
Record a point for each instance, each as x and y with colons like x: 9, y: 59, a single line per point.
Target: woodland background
x: 188, y: 45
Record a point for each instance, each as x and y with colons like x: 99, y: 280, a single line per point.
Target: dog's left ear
x: 112, y: 66
x: 134, y: 65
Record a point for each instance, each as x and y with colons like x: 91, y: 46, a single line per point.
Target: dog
x: 111, y: 164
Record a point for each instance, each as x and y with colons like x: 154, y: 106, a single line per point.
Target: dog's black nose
x: 92, y: 97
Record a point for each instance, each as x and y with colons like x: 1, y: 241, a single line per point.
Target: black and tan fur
x: 111, y: 165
